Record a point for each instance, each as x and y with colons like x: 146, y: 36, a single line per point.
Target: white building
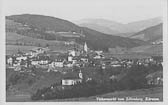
x: 34, y: 52
x: 21, y: 58
x: 68, y: 64
x: 57, y: 64
x: 35, y: 62
x: 43, y: 62
x: 70, y: 58
x: 84, y: 59
x: 9, y: 61
x: 72, y: 52
x: 70, y: 82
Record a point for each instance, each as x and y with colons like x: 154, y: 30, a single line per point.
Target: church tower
x: 80, y: 75
x: 85, y: 47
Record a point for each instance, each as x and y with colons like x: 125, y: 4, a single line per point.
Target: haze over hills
x: 99, y: 28
x: 102, y: 25
x: 143, y: 24
x: 40, y: 24
x: 150, y: 34
x: 116, y: 28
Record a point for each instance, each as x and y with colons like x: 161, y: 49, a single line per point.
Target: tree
x: 39, y: 45
x: 47, y: 45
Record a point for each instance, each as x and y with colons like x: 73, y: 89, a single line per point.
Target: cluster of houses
x: 52, y: 61
x: 127, y: 63
x: 44, y: 57
x: 26, y: 59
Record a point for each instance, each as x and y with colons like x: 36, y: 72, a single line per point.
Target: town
x: 76, y: 64
x: 83, y: 51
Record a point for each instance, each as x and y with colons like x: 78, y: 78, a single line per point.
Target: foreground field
x: 140, y: 93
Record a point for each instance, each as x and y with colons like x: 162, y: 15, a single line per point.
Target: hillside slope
x: 102, y: 41
x: 44, y: 23
x: 153, y: 33
x: 148, y: 49
x: 100, y: 28
x: 143, y: 24
x: 115, y: 28
x: 39, y: 24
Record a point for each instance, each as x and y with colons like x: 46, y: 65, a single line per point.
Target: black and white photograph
x: 84, y: 50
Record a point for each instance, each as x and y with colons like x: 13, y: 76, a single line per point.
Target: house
x: 72, y: 52
x: 155, y: 78
x: 43, y: 62
x: 32, y: 53
x: 9, y: 61
x: 116, y: 65
x: 43, y: 59
x: 98, y: 52
x: 57, y: 64
x: 58, y: 60
x: 84, y: 59
x: 68, y: 64
x: 98, y: 56
x: 17, y: 68
x: 70, y: 81
x: 70, y: 57
x: 19, y: 58
x: 103, y: 66
x: 50, y: 32
x: 15, y: 64
x: 72, y: 78
x: 35, y: 62
x: 37, y: 50
x: 69, y: 43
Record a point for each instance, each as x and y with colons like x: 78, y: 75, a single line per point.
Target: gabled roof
x: 58, y: 57
x: 37, y: 48
x: 71, y: 75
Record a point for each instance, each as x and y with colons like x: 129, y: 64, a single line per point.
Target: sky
x: 123, y: 11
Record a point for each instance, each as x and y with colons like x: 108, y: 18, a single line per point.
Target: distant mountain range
x: 100, y: 28
x: 116, y: 28
x: 150, y: 34
x: 39, y: 25
x: 102, y: 25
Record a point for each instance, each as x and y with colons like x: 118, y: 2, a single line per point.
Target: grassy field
x: 13, y: 49
x: 140, y: 93
x: 149, y: 49
x: 11, y: 36
x: 22, y: 90
x: 17, y: 42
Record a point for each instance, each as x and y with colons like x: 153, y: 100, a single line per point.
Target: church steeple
x: 80, y: 75
x: 85, y: 47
